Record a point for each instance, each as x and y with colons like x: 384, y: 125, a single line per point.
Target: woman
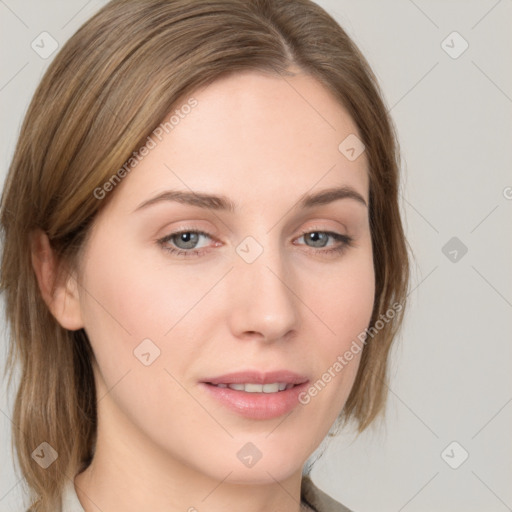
x: 204, y: 262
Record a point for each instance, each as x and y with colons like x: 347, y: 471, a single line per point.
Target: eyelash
x: 344, y: 240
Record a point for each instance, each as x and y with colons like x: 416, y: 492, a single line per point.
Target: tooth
x: 253, y: 388
x: 272, y: 387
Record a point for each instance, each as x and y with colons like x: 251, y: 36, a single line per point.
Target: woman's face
x: 275, y: 288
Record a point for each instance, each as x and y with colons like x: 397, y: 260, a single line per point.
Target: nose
x: 263, y: 304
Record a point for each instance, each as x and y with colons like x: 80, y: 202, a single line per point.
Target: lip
x: 258, y: 377
x: 257, y: 406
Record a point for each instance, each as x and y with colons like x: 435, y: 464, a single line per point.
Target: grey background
x: 450, y: 375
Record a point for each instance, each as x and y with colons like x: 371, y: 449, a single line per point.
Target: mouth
x: 274, y: 387
x: 256, y: 395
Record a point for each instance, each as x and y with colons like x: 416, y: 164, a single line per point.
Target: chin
x: 269, y: 462
x: 263, y: 474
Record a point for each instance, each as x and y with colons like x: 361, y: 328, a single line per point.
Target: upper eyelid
x: 203, y: 232
x: 302, y: 233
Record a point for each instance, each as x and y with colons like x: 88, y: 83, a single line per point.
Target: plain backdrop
x: 444, y: 68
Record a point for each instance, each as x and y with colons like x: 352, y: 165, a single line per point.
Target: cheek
x: 141, y: 313
x: 344, y: 304
x: 128, y: 309
x: 343, y: 297
x: 135, y: 300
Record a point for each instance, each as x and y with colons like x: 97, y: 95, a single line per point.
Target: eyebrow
x: 221, y: 202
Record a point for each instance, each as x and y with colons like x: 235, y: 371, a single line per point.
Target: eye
x: 184, y: 243
x: 320, y: 239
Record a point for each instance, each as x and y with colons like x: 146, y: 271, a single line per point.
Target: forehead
x: 256, y: 135
x: 267, y: 114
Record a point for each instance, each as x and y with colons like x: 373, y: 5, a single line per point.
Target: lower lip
x: 257, y: 406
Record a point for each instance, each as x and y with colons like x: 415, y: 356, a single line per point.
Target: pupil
x: 188, y: 239
x: 316, y: 237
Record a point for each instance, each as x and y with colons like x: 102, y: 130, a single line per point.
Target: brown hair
x: 107, y: 89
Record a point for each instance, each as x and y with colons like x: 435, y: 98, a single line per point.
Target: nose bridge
x: 263, y: 300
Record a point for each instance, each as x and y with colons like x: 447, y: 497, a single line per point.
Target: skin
x: 163, y: 443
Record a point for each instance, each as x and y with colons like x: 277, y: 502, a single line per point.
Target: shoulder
x: 319, y: 500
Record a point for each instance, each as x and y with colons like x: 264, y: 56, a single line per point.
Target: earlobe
x: 59, y: 290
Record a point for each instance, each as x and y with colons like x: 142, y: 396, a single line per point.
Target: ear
x: 60, y: 293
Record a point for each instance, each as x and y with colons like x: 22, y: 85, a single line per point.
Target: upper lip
x: 255, y: 377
